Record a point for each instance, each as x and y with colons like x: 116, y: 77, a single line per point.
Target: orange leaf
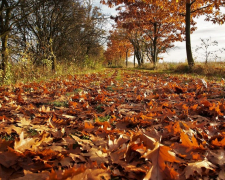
x: 159, y: 155
x: 219, y: 143
x: 175, y: 128
x: 194, y: 107
x: 135, y: 147
x: 73, y: 104
x: 190, y: 144
x: 206, y: 103
x: 196, y: 156
x: 88, y: 125
x: 139, y: 98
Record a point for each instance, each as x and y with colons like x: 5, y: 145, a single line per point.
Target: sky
x: 205, y: 30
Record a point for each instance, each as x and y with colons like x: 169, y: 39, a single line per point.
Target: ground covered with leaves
x: 115, y: 125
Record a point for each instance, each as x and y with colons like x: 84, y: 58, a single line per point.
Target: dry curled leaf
x: 197, y: 167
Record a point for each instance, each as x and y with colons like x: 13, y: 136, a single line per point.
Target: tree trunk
x: 53, y: 59
x: 53, y: 63
x: 142, y: 57
x: 206, y: 60
x: 5, y: 53
x: 138, y: 56
x: 188, y: 35
x: 134, y: 60
x: 206, y: 57
x: 126, y: 57
x: 154, y: 58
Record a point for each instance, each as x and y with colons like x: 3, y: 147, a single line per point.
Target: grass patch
x: 20, y: 73
x: 75, y: 91
x: 80, y: 135
x: 211, y: 71
x: 109, y: 74
x: 104, y: 119
x: 111, y: 88
x: 68, y: 94
x: 32, y: 132
x: 60, y: 104
x: 100, y: 108
x: 95, y: 83
x: 85, y: 137
x: 118, y: 77
x: 116, y: 66
x: 8, y: 137
x: 115, y: 178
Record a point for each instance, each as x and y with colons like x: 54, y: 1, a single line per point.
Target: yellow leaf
x: 23, y: 144
x: 197, y: 167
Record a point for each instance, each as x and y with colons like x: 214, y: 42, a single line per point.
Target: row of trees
x: 49, y: 31
x: 152, y: 26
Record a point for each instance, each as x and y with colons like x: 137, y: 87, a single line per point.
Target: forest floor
x: 116, y: 124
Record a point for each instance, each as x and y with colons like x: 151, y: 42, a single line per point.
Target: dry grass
x: 216, y: 69
x: 29, y: 73
x: 210, y: 70
x: 25, y: 74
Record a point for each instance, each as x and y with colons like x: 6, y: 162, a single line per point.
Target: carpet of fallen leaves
x: 114, y: 125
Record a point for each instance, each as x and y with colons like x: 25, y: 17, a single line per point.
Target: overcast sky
x: 204, y: 30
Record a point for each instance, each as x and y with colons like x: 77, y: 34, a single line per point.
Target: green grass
x: 60, y: 104
x: 100, y: 108
x: 32, y: 132
x: 111, y: 88
x: 8, y: 137
x: 115, y: 178
x: 109, y: 74
x: 80, y: 135
x: 119, y: 77
x: 75, y: 91
x: 104, y: 119
x: 85, y: 137
x: 115, y: 67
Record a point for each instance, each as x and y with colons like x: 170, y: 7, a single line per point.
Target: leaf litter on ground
x: 95, y: 126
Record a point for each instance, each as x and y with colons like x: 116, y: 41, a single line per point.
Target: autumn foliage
x: 118, y: 48
x: 162, y: 22
x: 115, y: 124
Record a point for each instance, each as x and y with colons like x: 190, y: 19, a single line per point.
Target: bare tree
x: 205, y: 52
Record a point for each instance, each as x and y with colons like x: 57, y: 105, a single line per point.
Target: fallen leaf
x: 23, y: 144
x: 24, y: 122
x: 159, y: 156
x: 9, y: 158
x: 218, y: 143
x: 34, y: 176
x: 92, y: 174
x: 197, y: 167
x: 217, y: 157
